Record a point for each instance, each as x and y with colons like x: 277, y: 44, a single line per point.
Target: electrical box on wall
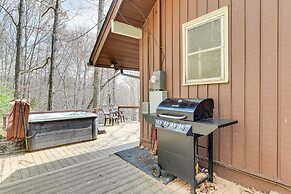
x: 158, y: 80
x: 156, y: 97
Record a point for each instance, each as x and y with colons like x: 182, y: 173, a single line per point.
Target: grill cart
x: 180, y: 122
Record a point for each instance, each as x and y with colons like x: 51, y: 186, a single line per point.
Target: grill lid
x: 186, y: 109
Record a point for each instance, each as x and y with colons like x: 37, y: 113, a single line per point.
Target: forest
x: 44, y: 51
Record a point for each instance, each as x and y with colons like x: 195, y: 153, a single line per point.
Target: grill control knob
x: 158, y: 122
x: 174, y: 125
x: 166, y: 124
x: 182, y: 127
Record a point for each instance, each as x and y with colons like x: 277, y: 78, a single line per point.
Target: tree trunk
x: 24, y: 60
x: 84, y: 85
x: 96, y: 81
x: 53, y: 50
x: 96, y: 84
x: 18, y: 50
x: 100, y: 90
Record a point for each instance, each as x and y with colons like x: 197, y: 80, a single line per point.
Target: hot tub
x: 53, y: 129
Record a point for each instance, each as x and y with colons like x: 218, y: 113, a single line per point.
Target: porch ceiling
x: 122, y: 50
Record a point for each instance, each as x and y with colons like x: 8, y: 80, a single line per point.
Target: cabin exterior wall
x: 258, y: 93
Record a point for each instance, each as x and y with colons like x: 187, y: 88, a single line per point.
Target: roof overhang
x: 119, y: 51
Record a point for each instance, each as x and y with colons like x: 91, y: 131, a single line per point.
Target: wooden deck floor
x: 108, y: 175
x: 23, y: 165
x: 88, y: 167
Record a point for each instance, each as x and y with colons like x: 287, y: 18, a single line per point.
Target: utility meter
x: 158, y: 80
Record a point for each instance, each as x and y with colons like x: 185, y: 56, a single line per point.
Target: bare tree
x: 52, y: 58
x: 18, y: 50
x: 72, y: 78
x: 96, y: 83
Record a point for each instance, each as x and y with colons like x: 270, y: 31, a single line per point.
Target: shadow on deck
x: 14, y: 167
x: 66, y: 162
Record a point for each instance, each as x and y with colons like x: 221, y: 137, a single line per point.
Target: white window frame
x: 221, y: 13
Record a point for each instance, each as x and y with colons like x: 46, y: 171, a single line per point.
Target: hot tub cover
x: 41, y: 117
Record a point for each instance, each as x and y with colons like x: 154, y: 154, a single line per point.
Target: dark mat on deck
x: 144, y: 160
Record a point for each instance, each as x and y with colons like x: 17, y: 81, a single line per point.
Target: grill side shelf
x: 150, y: 118
x: 207, y: 126
x: 218, y: 122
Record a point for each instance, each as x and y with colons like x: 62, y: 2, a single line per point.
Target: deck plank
x: 6, y: 168
x: 173, y: 186
x: 22, y: 164
x: 51, y: 160
x: 73, y: 183
x: 101, y: 180
x: 38, y: 163
x: 68, y: 158
x: 130, y: 185
x: 45, y: 161
x: 1, y: 167
x: 78, y: 148
x: 57, y: 157
x: 15, y: 173
x: 56, y: 177
x: 30, y: 161
x: 143, y: 186
x: 73, y: 155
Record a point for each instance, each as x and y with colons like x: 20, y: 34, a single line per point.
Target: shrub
x: 6, y: 96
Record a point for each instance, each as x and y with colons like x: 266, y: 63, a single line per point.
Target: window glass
x: 205, y: 49
x: 204, y: 36
x: 205, y: 65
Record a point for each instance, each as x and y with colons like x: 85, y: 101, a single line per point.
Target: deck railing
x: 130, y: 112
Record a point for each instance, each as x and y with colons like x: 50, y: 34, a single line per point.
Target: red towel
x: 14, y: 123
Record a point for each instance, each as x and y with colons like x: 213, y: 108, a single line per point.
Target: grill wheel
x: 156, y: 170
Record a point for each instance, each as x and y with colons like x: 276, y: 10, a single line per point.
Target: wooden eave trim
x: 147, y: 19
x: 118, y: 67
x: 105, y: 30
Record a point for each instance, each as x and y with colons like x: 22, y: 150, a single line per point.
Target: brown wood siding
x: 176, y: 49
x: 213, y: 90
x: 224, y: 103
x: 269, y: 25
x: 169, y: 45
x: 145, y: 73
x: 258, y: 93
x: 192, y: 13
x: 202, y: 6
x: 284, y: 91
x: 252, y: 85
x: 238, y: 78
x: 183, y: 18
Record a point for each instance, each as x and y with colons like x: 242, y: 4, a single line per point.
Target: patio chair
x: 118, y: 113
x: 110, y: 116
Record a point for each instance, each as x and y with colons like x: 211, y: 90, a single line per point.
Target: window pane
x: 204, y: 65
x: 204, y: 37
x: 193, y: 67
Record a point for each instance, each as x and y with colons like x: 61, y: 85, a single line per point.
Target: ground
x: 90, y: 167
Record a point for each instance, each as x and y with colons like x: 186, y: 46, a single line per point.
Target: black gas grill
x: 186, y: 109
x: 180, y: 122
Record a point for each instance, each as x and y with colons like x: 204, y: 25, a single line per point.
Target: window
x: 205, y: 53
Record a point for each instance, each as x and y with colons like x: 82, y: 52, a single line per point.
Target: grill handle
x: 172, y: 117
